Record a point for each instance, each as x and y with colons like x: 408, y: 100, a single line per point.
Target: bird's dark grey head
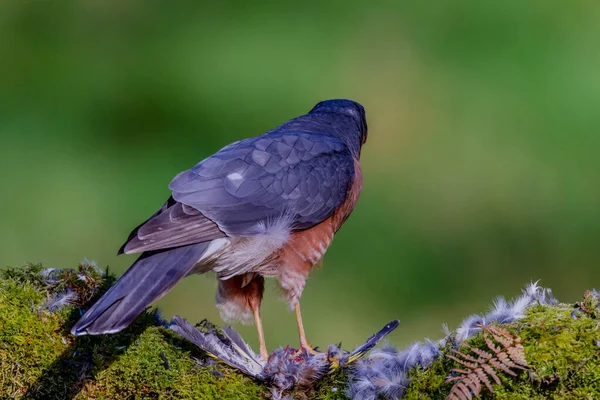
x: 349, y: 116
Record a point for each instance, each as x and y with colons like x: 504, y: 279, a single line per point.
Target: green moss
x: 332, y: 387
x: 39, y: 359
x: 159, y: 365
x: 562, y: 352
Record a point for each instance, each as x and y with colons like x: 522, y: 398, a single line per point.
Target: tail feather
x: 148, y: 279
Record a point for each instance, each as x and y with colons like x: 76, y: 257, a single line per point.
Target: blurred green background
x: 481, y: 168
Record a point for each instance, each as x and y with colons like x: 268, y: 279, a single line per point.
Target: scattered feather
x: 384, y: 374
x: 501, y: 312
x: 469, y: 326
x: 57, y: 301
x: 165, y: 360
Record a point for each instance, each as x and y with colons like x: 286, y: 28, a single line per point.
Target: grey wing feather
x: 150, y: 277
x: 174, y: 225
x: 221, y: 347
x: 236, y: 339
x: 373, y: 340
x: 304, y: 176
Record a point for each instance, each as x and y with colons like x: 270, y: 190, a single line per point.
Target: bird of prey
x: 266, y: 206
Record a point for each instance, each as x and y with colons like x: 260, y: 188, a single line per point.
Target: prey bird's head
x: 346, y: 120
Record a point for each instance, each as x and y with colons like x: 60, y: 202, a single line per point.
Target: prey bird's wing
x: 222, y: 347
x: 372, y: 341
x: 250, y: 184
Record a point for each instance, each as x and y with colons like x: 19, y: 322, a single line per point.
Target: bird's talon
x: 312, y: 351
x: 308, y: 349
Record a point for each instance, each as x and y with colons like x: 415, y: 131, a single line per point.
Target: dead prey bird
x: 286, y: 367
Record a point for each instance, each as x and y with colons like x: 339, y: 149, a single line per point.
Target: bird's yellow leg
x: 303, y: 342
x: 261, y: 334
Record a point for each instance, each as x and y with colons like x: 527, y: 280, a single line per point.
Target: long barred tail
x: 148, y: 279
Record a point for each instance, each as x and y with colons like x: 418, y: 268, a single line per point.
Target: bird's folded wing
x: 250, y: 184
x: 174, y: 225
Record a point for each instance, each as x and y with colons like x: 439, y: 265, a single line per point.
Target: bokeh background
x: 481, y: 168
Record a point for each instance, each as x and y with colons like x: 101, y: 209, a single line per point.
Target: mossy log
x: 40, y: 359
x: 562, y: 351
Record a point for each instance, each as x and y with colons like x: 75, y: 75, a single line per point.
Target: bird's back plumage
x: 295, y: 174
